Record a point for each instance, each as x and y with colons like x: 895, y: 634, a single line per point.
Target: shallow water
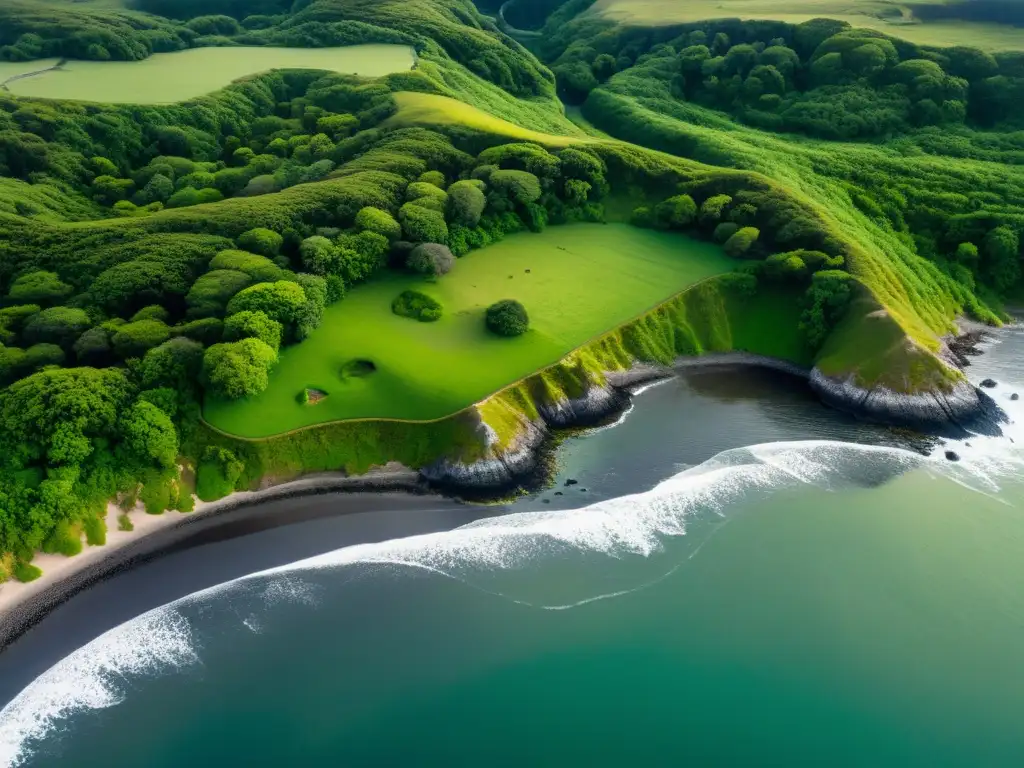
x: 801, y: 600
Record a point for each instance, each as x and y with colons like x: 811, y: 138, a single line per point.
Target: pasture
x: 165, y: 78
x: 576, y: 281
x: 892, y: 18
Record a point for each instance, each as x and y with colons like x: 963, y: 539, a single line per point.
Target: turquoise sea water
x: 796, y: 602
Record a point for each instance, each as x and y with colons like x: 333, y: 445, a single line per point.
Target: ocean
x: 737, y: 576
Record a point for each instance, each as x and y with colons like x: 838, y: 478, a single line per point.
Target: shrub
x: 519, y: 186
x: 253, y: 325
x: 416, y: 305
x: 422, y: 225
x: 432, y: 177
x: 124, y: 523
x: 206, y: 331
x: 135, y: 339
x: 725, y: 230
x: 375, y: 220
x: 466, y: 203
x: 642, y: 216
x: 58, y: 325
x: 26, y: 572
x: 152, y: 312
x: 38, y: 288
x: 507, y: 318
x: 265, y: 242
x: 676, y: 212
x: 41, y: 355
x: 431, y: 259
x: 740, y: 243
x: 280, y: 301
x: 711, y: 210
x: 237, y: 369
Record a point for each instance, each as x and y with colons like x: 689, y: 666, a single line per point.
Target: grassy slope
x: 584, y: 279
x: 187, y: 74
x: 921, y: 299
x: 892, y: 18
x: 429, y: 109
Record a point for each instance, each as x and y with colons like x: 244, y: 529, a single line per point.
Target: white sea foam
x: 637, y: 525
x: 93, y: 677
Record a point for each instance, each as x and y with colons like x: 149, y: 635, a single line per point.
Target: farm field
x: 165, y: 78
x: 896, y: 19
x: 576, y: 281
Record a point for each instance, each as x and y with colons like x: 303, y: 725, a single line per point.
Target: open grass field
x: 165, y: 78
x: 892, y: 18
x: 430, y: 109
x: 9, y: 69
x: 583, y: 280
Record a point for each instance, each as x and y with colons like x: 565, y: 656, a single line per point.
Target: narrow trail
x: 60, y: 64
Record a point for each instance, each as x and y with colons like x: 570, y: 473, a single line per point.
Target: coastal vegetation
x: 231, y: 283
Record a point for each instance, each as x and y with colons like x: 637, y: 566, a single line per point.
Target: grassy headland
x: 247, y: 245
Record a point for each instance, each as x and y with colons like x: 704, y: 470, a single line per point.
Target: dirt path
x: 23, y: 75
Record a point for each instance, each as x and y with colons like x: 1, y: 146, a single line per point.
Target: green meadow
x: 892, y: 18
x: 576, y: 281
x: 166, y: 78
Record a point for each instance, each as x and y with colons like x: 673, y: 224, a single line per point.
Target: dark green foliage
x: 93, y: 348
x: 741, y: 242
x: 210, y: 294
x: 207, y: 331
x: 432, y: 259
x: 237, y: 369
x: 826, y: 301
x: 466, y: 203
x: 217, y: 473
x: 311, y: 314
x: 422, y: 225
x: 360, y: 255
x: 150, y: 434
x: 381, y: 222
x: 518, y: 186
x: 39, y: 288
x: 152, y: 312
x: 265, y: 242
x: 135, y: 339
x: 676, y: 212
x: 41, y: 355
x: 280, y: 301
x: 507, y: 318
x: 418, y: 306
x: 1001, y: 263
x: 58, y: 325
x: 175, y: 363
x: 256, y: 325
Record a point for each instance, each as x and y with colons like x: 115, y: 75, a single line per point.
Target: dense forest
x: 151, y: 257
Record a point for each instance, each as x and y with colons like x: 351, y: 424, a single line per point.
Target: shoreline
x: 24, y: 604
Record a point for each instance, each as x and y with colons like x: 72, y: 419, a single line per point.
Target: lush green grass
x: 892, y: 18
x: 429, y: 109
x: 171, y: 77
x: 583, y: 280
x: 9, y: 69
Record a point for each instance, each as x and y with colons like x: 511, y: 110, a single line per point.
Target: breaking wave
x: 161, y: 641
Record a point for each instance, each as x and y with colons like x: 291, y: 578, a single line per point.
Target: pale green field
x: 583, y: 280
x: 165, y: 78
x: 896, y: 19
x: 9, y: 69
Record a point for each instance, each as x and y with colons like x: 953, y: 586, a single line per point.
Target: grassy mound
x: 417, y: 305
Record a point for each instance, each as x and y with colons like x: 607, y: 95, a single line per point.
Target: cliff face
x: 962, y: 407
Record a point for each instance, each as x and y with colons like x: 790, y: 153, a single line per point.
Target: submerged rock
x: 570, y: 481
x: 988, y: 383
x: 1015, y: 396
x: 952, y: 455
